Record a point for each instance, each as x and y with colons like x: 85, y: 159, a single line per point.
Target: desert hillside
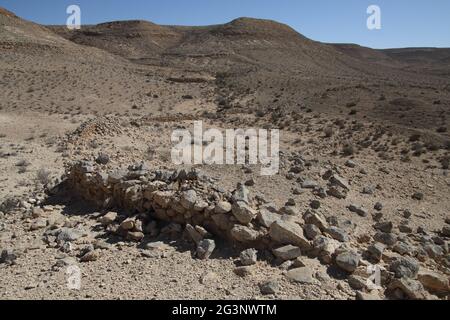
x: 87, y: 179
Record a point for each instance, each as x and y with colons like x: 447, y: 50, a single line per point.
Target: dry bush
x: 348, y: 149
x: 43, y: 176
x: 414, y: 138
x: 432, y: 146
x: 445, y: 162
x: 328, y: 132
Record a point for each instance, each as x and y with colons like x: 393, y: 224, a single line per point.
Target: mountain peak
x: 256, y: 27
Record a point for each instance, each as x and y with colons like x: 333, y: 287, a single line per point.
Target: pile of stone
x: 186, y: 198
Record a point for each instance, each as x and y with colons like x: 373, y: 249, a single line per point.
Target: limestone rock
x: 411, y: 288
x: 385, y: 226
x: 302, y: 275
x: 69, y: 234
x: 108, y: 218
x: 188, y: 199
x: 337, y: 234
x: 348, y: 261
x: 315, y: 218
x: 243, y: 212
x: 358, y: 210
x: 127, y: 224
x: 269, y: 287
x: 405, y: 267
x: 311, y: 231
x: 194, y: 234
x: 205, y: 248
x: 339, y: 181
x: 223, y: 207
x: 376, y: 251
x: 248, y: 257
x: 286, y: 232
x: 434, y: 282
x: 90, y: 256
x: 288, y: 252
x: 136, y: 236
x: 244, y: 234
x: 267, y: 217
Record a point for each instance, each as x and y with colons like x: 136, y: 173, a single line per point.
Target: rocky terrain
x: 86, y: 177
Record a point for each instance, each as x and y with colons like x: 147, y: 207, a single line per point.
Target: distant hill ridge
x: 243, y: 44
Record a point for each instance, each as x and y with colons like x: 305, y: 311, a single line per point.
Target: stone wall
x: 188, y: 198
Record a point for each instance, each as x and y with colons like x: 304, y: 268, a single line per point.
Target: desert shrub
x: 340, y: 123
x: 405, y: 158
x: 395, y: 141
x: 403, y: 102
x: 404, y: 151
x: 260, y: 113
x: 418, y: 149
x: 328, y: 131
x: 43, y: 176
x: 348, y: 149
x: 445, y: 162
x: 384, y: 156
x: 432, y: 146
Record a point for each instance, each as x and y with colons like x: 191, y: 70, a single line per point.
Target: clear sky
x: 405, y: 23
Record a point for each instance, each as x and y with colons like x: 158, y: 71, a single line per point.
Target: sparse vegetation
x: 348, y: 149
x: 43, y: 176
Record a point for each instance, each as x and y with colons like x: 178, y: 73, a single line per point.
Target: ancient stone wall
x: 188, y: 198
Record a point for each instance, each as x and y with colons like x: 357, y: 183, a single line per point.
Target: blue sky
x: 405, y: 23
